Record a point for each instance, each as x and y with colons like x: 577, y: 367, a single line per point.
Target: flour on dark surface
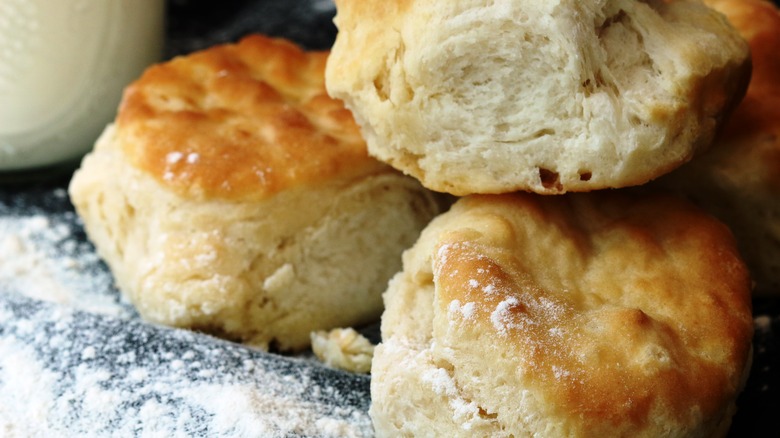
x: 45, y: 255
x: 65, y: 372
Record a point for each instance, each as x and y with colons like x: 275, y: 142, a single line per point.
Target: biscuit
x: 598, y: 314
x: 738, y: 179
x: 234, y: 197
x: 344, y: 349
x: 475, y: 97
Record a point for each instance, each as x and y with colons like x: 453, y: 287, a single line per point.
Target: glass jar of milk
x: 63, y: 66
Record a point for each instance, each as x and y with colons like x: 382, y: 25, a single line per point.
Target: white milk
x: 63, y: 65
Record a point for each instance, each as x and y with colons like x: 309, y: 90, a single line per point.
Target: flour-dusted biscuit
x: 471, y: 96
x: 233, y: 196
x: 738, y: 180
x: 598, y: 314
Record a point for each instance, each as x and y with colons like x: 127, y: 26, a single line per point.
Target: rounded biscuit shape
x: 492, y: 97
x: 597, y: 314
x: 233, y: 196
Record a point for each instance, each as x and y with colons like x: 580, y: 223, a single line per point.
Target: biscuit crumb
x: 343, y: 348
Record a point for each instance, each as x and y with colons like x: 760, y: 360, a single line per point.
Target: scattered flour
x: 457, y: 310
x: 173, y: 157
x: 42, y: 258
x: 89, y: 384
x: 464, y: 411
x: 502, y: 317
x: 76, y: 361
x: 490, y: 289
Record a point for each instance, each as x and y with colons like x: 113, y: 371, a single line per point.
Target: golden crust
x: 240, y: 120
x: 738, y: 179
x: 619, y: 315
x: 609, y: 280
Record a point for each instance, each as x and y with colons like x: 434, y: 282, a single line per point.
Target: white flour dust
x: 76, y: 361
x: 41, y: 258
x: 66, y: 373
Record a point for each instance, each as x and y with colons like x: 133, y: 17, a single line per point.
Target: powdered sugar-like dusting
x: 70, y: 373
x: 560, y: 373
x: 75, y: 360
x: 537, y: 309
x: 468, y: 310
x: 174, y: 157
x: 440, y: 381
x: 464, y: 411
x: 457, y: 311
x: 44, y: 256
x: 502, y: 318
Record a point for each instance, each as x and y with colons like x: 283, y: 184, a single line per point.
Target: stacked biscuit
x: 232, y: 195
x: 609, y: 313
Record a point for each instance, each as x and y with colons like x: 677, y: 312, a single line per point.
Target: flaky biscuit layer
x: 492, y: 97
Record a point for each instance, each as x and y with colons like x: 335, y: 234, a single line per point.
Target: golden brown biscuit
x: 738, y: 179
x: 491, y: 97
x: 240, y: 121
x: 234, y: 196
x: 599, y: 314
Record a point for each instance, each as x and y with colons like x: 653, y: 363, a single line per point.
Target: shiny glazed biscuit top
x: 601, y: 299
x: 242, y: 120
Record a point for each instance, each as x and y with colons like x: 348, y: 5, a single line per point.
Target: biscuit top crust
x: 615, y: 306
x: 748, y: 148
x: 243, y: 120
